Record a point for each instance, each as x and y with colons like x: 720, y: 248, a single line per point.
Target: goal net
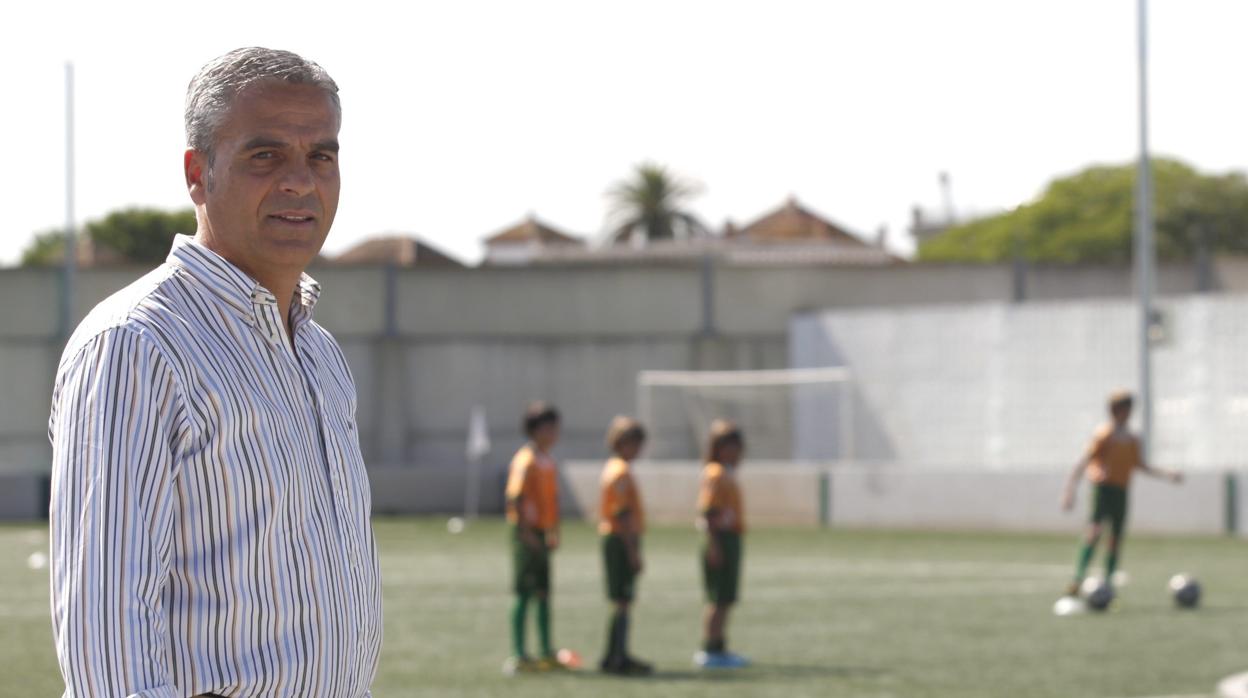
x: 786, y: 415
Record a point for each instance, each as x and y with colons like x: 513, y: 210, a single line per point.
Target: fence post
x: 825, y: 498
x: 1231, y: 508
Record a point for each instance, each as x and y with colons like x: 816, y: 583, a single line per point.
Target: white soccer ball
x: 1069, y: 606
x: 1090, y: 585
x: 1101, y: 597
x: 37, y: 561
x: 1186, y: 591
x: 455, y: 525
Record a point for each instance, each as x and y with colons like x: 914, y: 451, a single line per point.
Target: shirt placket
x: 339, y: 479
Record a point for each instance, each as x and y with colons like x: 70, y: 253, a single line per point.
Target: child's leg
x: 1117, y: 526
x: 713, y: 628
x: 543, y: 623
x: 1085, y: 553
x: 617, y: 633
x: 518, y: 613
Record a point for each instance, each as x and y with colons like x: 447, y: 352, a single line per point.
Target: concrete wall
x: 425, y: 345
x: 774, y: 493
x: 910, y: 498
x: 899, y: 497
x: 1021, y: 386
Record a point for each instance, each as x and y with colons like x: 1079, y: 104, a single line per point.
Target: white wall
x: 1004, y: 385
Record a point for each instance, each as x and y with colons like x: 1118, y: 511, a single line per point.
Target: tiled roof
x: 401, y: 250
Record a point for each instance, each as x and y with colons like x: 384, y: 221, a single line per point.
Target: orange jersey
x: 1113, y: 457
x: 533, y: 490
x: 619, y: 495
x: 721, y: 494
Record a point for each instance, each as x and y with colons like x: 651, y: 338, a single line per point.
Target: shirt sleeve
x: 709, y: 495
x: 116, y: 422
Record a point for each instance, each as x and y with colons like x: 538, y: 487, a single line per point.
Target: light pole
x: 1144, y: 252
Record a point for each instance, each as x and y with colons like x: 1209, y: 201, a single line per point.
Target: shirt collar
x: 232, y: 285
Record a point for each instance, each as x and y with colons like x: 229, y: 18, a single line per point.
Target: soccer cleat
x: 632, y: 666
x: 612, y: 665
x: 547, y: 664
x: 712, y: 660
x: 719, y: 660
x: 518, y: 665
x: 1072, y: 590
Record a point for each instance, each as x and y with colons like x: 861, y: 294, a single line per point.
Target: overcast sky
x: 461, y: 117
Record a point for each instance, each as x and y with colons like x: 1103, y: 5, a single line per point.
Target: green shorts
x: 1110, y: 502
x: 723, y: 582
x: 621, y: 579
x: 530, y: 568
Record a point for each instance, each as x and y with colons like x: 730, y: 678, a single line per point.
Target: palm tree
x: 647, y: 207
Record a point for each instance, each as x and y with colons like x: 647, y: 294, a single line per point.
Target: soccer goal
x: 804, y: 414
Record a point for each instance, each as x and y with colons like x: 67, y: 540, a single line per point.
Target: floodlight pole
x: 1144, y: 251
x: 71, y: 253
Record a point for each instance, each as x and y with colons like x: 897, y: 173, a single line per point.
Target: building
x: 528, y: 241
x: 791, y: 234
x: 397, y: 250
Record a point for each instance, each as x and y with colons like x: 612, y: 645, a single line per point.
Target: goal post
x: 801, y: 414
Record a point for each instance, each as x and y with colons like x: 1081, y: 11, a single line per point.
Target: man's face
x: 271, y: 190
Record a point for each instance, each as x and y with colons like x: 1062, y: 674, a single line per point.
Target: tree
x: 142, y: 235
x: 650, y: 203
x: 46, y: 249
x: 1089, y: 217
x: 138, y: 235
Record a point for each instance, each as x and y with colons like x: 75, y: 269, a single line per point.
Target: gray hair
x: 211, y: 93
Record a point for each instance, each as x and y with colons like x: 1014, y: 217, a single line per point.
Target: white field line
x: 1234, y: 686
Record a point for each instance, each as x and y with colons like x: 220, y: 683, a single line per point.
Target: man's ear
x: 195, y: 168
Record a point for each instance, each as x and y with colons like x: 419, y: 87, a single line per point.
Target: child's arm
x: 1072, y: 483
x: 1172, y: 475
x: 628, y: 533
x: 526, y: 532
x: 709, y: 523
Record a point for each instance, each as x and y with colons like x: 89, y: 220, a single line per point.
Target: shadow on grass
x: 1222, y: 610
x: 754, y: 672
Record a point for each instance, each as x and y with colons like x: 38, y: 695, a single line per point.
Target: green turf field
x: 839, y: 613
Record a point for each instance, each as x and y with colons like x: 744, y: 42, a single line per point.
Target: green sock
x: 1111, y: 563
x: 613, y: 637
x: 543, y: 626
x: 1085, y: 557
x: 518, y: 612
x: 622, y: 641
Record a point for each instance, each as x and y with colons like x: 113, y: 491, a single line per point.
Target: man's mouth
x: 292, y: 217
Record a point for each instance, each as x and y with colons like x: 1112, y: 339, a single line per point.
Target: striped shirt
x: 210, y: 527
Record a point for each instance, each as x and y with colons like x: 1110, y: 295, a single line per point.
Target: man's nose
x: 297, y: 178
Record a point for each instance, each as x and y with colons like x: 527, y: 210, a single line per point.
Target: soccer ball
x: 1090, y: 585
x: 1101, y: 597
x: 1186, y: 591
x: 454, y: 525
x: 1069, y: 606
x: 569, y: 658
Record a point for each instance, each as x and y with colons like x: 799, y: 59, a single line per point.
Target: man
x: 1111, y: 459
x: 210, y: 526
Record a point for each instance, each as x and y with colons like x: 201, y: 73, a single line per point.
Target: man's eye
x: 325, y: 157
x: 264, y: 155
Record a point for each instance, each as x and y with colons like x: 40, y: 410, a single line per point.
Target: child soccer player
x: 721, y: 518
x: 533, y: 511
x: 621, y: 522
x: 1111, y: 459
